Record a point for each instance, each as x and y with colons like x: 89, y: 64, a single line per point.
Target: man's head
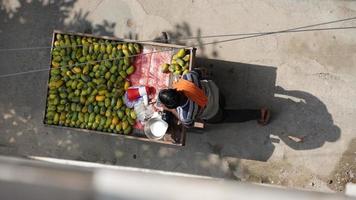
x: 171, y: 98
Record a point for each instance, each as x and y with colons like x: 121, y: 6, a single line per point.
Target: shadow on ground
x: 294, y: 113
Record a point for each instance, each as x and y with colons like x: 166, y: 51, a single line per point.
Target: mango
x: 130, y: 70
x: 165, y: 68
x: 128, y: 130
x: 99, y: 98
x: 186, y: 58
x: 181, y: 53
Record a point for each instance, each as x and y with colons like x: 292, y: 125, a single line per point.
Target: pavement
x: 308, y: 79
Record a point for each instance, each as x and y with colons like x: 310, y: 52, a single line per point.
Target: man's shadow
x: 295, y: 114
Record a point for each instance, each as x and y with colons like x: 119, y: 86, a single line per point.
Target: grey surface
x: 307, y: 79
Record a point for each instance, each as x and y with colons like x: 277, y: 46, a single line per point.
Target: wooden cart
x: 176, y: 133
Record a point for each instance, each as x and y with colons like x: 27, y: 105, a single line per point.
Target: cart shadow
x: 294, y: 113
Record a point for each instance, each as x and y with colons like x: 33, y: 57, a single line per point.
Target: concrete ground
x: 307, y: 79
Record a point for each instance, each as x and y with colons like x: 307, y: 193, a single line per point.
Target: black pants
x: 231, y: 116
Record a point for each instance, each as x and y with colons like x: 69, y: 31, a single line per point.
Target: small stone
x: 12, y: 140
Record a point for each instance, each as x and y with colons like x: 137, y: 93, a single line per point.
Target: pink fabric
x: 148, y: 70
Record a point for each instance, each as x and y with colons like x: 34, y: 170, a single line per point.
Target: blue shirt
x: 188, y: 112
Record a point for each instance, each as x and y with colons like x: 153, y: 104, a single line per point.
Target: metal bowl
x: 155, y: 128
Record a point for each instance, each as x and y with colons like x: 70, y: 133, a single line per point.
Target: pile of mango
x: 179, y: 64
x: 88, y: 79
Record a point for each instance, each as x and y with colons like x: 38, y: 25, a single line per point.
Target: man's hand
x: 173, y: 111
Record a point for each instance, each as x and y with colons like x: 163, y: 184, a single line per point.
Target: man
x: 192, y: 98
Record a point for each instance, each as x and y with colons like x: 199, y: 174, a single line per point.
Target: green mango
x: 86, y: 69
x: 97, y: 118
x: 96, y: 109
x: 131, y: 49
x: 60, y: 108
x: 172, y: 67
x: 123, y: 74
x: 96, y: 47
x: 122, y: 62
x: 82, y: 99
x: 131, y: 121
x: 91, y: 99
x: 108, y: 112
x: 102, y: 110
x: 80, y: 85
x: 126, y: 52
x: 102, y: 48
x: 181, y: 53
x: 178, y: 72
x: 113, y: 69
x: 108, y: 122
x: 130, y: 70
x: 165, y: 68
x: 113, y: 78
x: 63, y: 101
x: 82, y: 59
x: 91, y: 117
x: 56, y: 118
x: 90, y: 108
x: 180, y: 62
x: 76, y: 92
x: 95, y: 91
x: 57, y: 58
x: 108, y: 49
x: 81, y: 117
x: 102, y: 121
x: 125, y: 124
x: 58, y: 36
x: 62, y: 117
x: 137, y: 48
x: 185, y: 71
x: 74, y: 116
x: 112, y: 127
x: 120, y: 114
x: 82, y: 125
x: 128, y: 130
x: 107, y: 102
x: 101, y: 104
x: 133, y: 114
x: 56, y: 84
x: 107, y: 75
x: 50, y: 114
x: 84, y: 109
x: 78, y: 107
x: 118, y: 127
x: 186, y: 58
x: 74, y: 84
x: 95, y: 125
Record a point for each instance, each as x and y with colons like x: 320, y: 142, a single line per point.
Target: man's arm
x: 173, y: 111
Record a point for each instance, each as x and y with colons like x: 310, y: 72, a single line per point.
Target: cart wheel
x: 204, y: 73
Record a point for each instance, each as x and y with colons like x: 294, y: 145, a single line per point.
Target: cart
x: 149, y: 69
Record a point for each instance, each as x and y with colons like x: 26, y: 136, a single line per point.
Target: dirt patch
x: 345, y: 171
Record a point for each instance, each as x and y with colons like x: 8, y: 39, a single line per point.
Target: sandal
x: 265, y: 116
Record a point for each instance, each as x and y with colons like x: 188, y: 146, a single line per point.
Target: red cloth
x: 133, y: 93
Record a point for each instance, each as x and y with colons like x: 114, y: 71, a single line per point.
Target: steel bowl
x: 155, y: 128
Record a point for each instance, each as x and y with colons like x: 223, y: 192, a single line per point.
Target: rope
x: 199, y: 37
x: 254, y: 35
x: 79, y: 64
